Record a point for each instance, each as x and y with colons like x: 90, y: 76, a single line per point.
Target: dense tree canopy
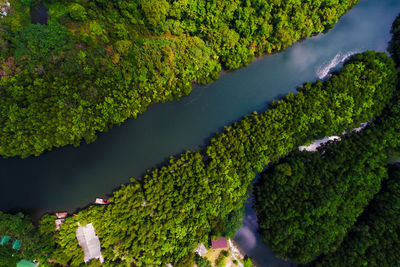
x: 375, y: 238
x: 308, y: 202
x: 164, y: 215
x: 394, y: 46
x: 100, y: 62
x: 37, y: 244
x: 173, y: 208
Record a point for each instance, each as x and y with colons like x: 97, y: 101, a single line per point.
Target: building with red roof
x: 219, y: 243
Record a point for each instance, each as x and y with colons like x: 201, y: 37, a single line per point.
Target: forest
x: 374, y: 239
x: 173, y: 208
x: 97, y: 63
x: 308, y: 202
x: 338, y: 206
x: 200, y: 194
x: 37, y: 242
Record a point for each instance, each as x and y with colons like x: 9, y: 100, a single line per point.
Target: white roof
x: 89, y: 242
x: 201, y: 250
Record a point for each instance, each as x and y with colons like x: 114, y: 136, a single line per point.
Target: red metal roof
x: 219, y: 243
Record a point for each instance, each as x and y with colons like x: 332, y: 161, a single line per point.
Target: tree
x: 202, y: 262
x: 162, y: 217
x: 308, y: 212
x: 77, y: 12
x: 35, y: 245
x: 374, y: 239
x: 8, y: 257
x: 394, y: 45
x: 101, y: 62
x: 155, y: 11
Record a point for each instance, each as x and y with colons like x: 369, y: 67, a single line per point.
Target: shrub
x: 38, y: 42
x: 27, y: 2
x: 374, y: 239
x: 222, y: 258
x: 247, y: 262
x: 202, y: 262
x: 77, y: 12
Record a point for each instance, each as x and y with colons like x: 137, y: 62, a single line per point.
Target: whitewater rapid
x: 339, y: 58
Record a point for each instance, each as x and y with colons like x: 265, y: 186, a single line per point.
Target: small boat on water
x: 101, y: 201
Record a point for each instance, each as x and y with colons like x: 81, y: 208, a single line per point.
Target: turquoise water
x: 69, y: 178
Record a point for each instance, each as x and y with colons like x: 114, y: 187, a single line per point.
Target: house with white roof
x: 89, y: 242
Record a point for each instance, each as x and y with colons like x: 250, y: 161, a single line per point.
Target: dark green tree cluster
x: 375, y: 238
x: 37, y: 244
x: 35, y: 43
x: 162, y: 217
x: 307, y: 204
x: 202, y: 262
x: 98, y: 63
x: 394, y: 45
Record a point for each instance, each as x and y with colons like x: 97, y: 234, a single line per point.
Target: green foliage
x: 77, y: 12
x: 36, y: 42
x: 35, y: 245
x: 310, y: 212
x: 111, y: 59
x: 173, y: 208
x: 72, y: 113
x: 247, y: 262
x: 8, y: 257
x: 233, y: 222
x: 375, y: 238
x: 394, y: 45
x: 155, y: 10
x: 222, y: 258
x: 27, y: 2
x: 202, y: 262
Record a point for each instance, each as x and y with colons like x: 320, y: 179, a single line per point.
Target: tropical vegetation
x: 375, y: 238
x: 322, y: 205
x: 173, y: 208
x: 98, y: 63
x: 307, y: 203
x: 36, y: 243
x: 161, y: 217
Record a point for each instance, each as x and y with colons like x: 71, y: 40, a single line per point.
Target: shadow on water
x: 39, y: 14
x: 251, y: 244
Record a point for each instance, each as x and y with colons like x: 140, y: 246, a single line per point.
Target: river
x: 69, y: 178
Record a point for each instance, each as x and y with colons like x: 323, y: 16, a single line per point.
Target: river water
x: 69, y: 178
